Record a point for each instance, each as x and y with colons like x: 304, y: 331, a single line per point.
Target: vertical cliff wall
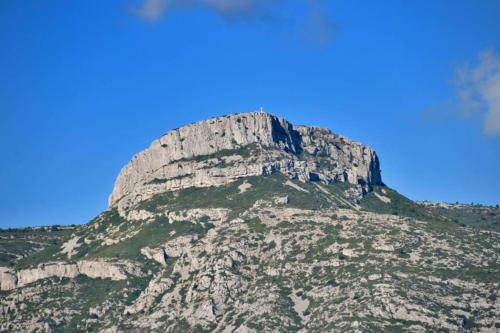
x: 222, y: 149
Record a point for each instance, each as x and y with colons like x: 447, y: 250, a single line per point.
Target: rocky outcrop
x: 10, y: 279
x: 101, y: 269
x: 157, y: 286
x: 157, y: 255
x: 218, y: 151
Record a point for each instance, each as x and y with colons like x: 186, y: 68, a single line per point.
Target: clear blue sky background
x: 86, y: 84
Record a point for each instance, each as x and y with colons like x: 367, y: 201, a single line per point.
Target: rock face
x: 10, y: 279
x: 218, y: 151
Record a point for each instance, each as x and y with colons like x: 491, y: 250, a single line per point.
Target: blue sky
x: 84, y: 85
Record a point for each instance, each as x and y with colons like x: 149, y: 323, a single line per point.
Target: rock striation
x: 221, y: 150
x: 10, y: 279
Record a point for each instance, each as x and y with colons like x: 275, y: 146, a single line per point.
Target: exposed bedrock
x: 220, y: 150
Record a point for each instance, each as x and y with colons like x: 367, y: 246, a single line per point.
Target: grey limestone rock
x: 220, y: 150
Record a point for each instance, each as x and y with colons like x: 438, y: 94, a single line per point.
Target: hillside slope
x: 265, y: 252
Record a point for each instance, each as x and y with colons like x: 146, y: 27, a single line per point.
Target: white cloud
x: 151, y: 10
x: 478, y: 90
x: 318, y: 26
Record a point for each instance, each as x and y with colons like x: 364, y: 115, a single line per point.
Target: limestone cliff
x: 220, y: 150
x: 10, y: 279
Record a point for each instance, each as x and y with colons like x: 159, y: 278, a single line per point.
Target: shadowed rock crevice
x: 283, y: 132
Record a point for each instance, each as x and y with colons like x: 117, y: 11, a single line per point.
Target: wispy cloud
x: 317, y: 27
x: 239, y: 8
x: 151, y: 10
x: 478, y: 90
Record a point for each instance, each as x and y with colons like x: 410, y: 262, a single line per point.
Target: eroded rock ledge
x: 218, y: 151
x: 11, y: 279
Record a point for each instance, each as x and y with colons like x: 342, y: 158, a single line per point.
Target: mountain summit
x: 221, y: 150
x: 246, y: 223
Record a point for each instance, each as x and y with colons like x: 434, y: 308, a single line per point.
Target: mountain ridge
x: 242, y: 145
x: 301, y: 236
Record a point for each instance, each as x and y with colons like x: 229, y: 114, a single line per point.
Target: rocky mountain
x: 221, y: 150
x: 247, y: 223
